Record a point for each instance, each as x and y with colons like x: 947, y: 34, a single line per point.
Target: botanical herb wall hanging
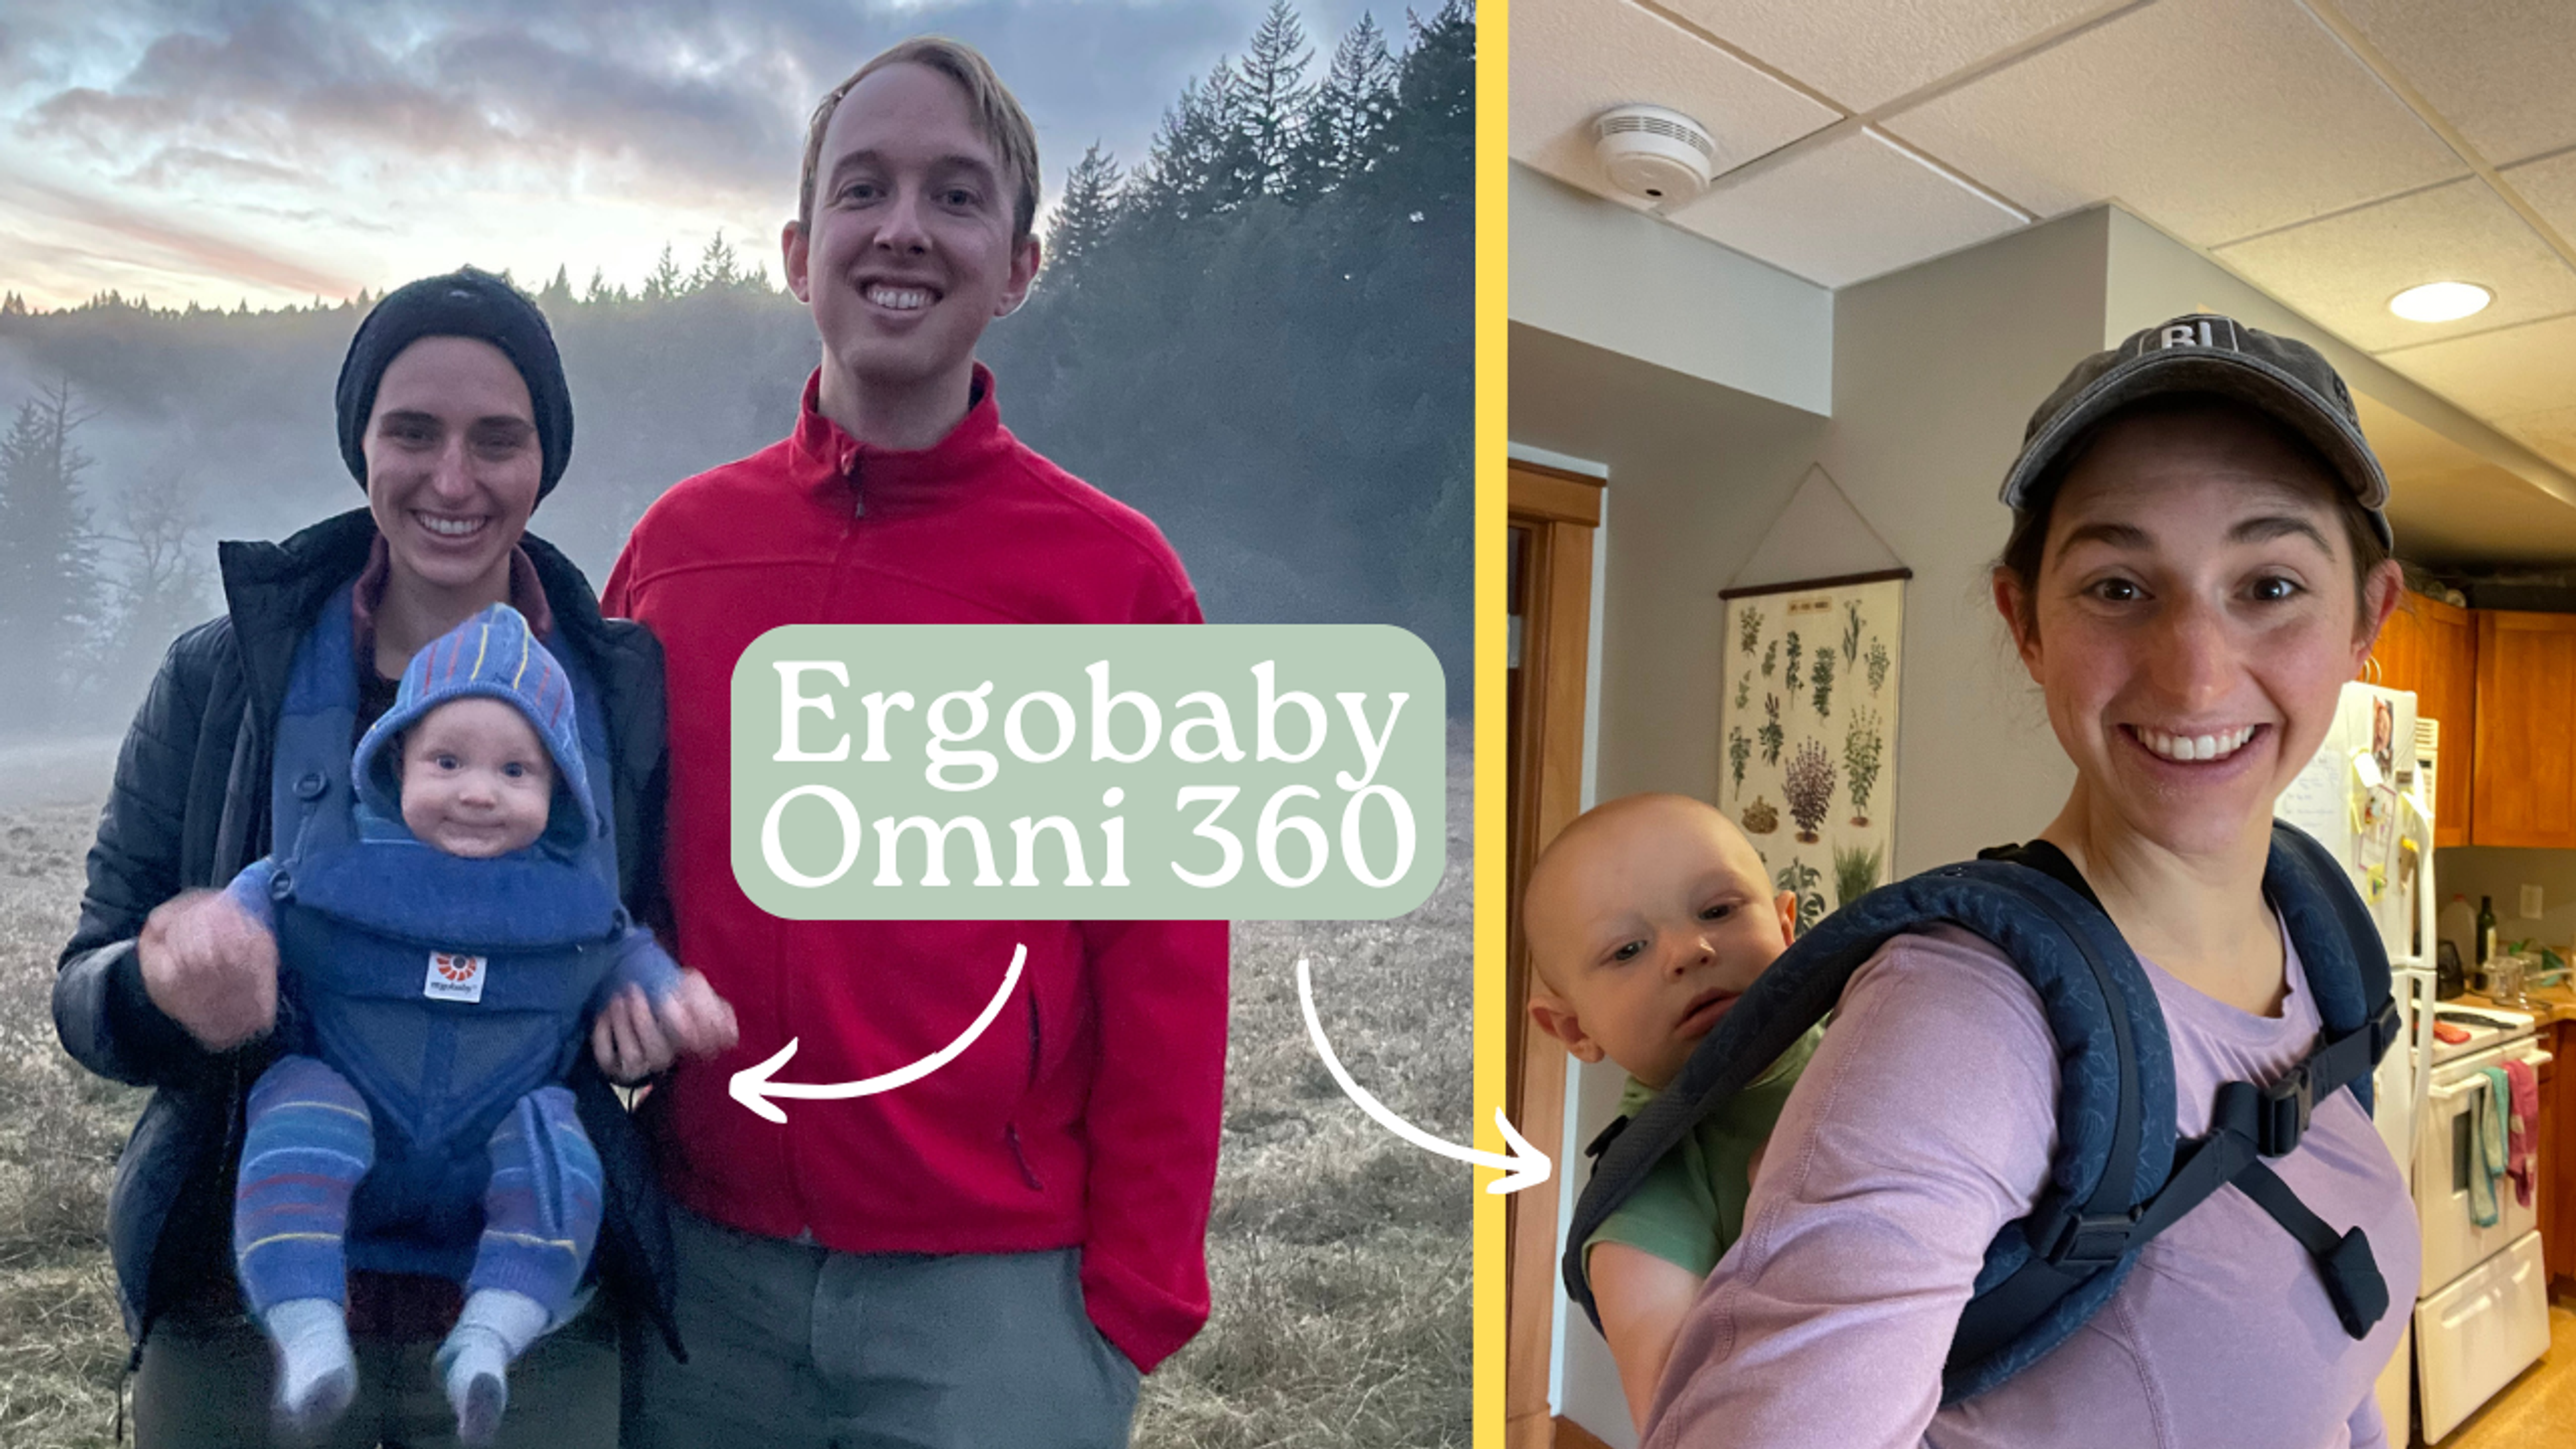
x: 1807, y: 731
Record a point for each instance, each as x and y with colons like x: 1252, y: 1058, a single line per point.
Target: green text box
x: 955, y: 735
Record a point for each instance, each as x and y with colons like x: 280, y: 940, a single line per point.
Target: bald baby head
x: 1645, y: 917
x: 1585, y: 871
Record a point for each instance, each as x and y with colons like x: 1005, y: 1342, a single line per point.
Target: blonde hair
x: 997, y: 116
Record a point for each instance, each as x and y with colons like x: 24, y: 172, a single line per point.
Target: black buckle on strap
x: 2288, y: 1101
x: 2354, y: 1285
x: 2063, y: 1238
x: 2385, y: 1029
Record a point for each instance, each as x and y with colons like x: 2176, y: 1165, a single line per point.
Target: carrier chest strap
x: 2353, y: 1283
x: 2247, y: 1124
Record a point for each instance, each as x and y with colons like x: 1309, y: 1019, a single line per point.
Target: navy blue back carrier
x: 2119, y: 1175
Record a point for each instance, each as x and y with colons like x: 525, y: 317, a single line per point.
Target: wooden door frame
x: 1561, y: 510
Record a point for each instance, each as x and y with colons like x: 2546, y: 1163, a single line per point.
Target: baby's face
x: 1646, y: 929
x: 476, y: 781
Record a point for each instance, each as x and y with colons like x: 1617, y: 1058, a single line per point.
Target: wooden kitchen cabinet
x: 2449, y: 693
x: 2430, y: 647
x: 2523, y: 789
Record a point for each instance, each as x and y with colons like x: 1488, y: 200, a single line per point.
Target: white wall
x: 1599, y: 273
x: 1936, y: 372
x: 2501, y: 872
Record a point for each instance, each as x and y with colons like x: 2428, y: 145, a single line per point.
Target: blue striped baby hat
x: 493, y: 655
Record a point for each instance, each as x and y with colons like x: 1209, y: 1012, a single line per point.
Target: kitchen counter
x: 2548, y: 1004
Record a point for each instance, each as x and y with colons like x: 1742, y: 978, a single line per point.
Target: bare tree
x: 162, y: 587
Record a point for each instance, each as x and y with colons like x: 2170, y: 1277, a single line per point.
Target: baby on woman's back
x: 1646, y: 918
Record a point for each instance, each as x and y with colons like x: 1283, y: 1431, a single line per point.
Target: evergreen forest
x: 1260, y: 334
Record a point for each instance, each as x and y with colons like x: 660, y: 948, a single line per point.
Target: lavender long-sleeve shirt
x: 1923, y: 1125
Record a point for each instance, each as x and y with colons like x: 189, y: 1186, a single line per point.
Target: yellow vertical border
x: 1493, y: 70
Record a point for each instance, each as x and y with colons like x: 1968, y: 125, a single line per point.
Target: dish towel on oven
x: 2487, y: 1148
x: 2523, y: 1133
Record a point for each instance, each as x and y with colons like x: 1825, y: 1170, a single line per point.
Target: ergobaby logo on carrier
x: 453, y: 977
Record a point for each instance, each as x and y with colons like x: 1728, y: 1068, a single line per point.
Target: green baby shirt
x: 1691, y: 1207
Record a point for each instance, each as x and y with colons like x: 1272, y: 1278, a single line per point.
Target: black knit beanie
x: 464, y: 303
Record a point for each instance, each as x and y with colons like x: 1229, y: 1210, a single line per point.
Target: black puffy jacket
x: 190, y: 809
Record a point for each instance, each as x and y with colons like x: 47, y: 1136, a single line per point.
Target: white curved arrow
x: 752, y: 1088
x: 1524, y: 1166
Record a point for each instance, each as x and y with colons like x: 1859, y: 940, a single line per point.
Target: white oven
x: 2445, y: 1156
x: 2484, y: 1314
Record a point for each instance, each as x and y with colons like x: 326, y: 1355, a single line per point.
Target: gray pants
x: 793, y: 1346
x: 205, y: 1382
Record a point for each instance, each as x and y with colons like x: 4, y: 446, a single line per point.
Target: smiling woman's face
x: 2194, y: 621
x: 453, y: 463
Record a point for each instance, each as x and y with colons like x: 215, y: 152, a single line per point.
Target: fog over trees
x: 1261, y: 334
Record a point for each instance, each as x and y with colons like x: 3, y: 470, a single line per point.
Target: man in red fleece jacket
x: 992, y: 1254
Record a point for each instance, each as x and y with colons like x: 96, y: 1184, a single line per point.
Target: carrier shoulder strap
x: 2091, y: 990
x: 2066, y: 1249
x: 2048, y: 860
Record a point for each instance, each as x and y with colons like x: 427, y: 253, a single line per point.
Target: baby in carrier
x: 438, y: 975
x: 1646, y: 918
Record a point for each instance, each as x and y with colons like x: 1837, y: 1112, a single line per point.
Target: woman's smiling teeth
x: 451, y: 527
x: 2194, y: 748
x: 899, y: 299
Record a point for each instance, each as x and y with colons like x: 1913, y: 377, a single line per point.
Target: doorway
x: 1553, y: 517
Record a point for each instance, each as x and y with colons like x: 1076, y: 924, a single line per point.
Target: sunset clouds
x: 275, y: 151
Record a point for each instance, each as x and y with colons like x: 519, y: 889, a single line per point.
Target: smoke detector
x: 1658, y: 155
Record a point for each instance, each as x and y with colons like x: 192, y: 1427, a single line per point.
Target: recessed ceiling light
x: 2440, y: 301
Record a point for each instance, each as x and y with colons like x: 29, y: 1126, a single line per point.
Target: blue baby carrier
x: 444, y: 989
x: 438, y: 1075
x: 2119, y: 1175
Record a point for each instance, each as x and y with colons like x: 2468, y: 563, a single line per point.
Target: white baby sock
x: 316, y: 1374
x: 474, y: 1363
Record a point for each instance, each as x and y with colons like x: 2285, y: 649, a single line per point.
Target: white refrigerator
x: 2368, y: 795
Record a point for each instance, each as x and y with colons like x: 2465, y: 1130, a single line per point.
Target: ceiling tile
x: 2496, y: 69
x: 2213, y: 119
x: 1574, y: 59
x: 2550, y: 186
x: 2551, y: 434
x: 1844, y: 207
x: 2342, y: 270
x: 1865, y: 53
x: 2499, y: 376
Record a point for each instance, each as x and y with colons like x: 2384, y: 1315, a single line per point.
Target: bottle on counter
x: 2486, y: 928
x: 2458, y: 925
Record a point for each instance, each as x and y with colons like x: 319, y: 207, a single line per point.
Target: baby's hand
x: 697, y: 1020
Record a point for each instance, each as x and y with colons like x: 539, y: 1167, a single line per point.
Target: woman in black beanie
x: 453, y: 415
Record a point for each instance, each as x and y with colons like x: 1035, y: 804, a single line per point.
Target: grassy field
x: 1340, y: 1255
x: 62, y: 1351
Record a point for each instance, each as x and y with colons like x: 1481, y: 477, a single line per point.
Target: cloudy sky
x: 275, y: 150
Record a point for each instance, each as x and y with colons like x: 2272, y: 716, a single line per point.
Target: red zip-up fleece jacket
x: 1088, y: 1113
